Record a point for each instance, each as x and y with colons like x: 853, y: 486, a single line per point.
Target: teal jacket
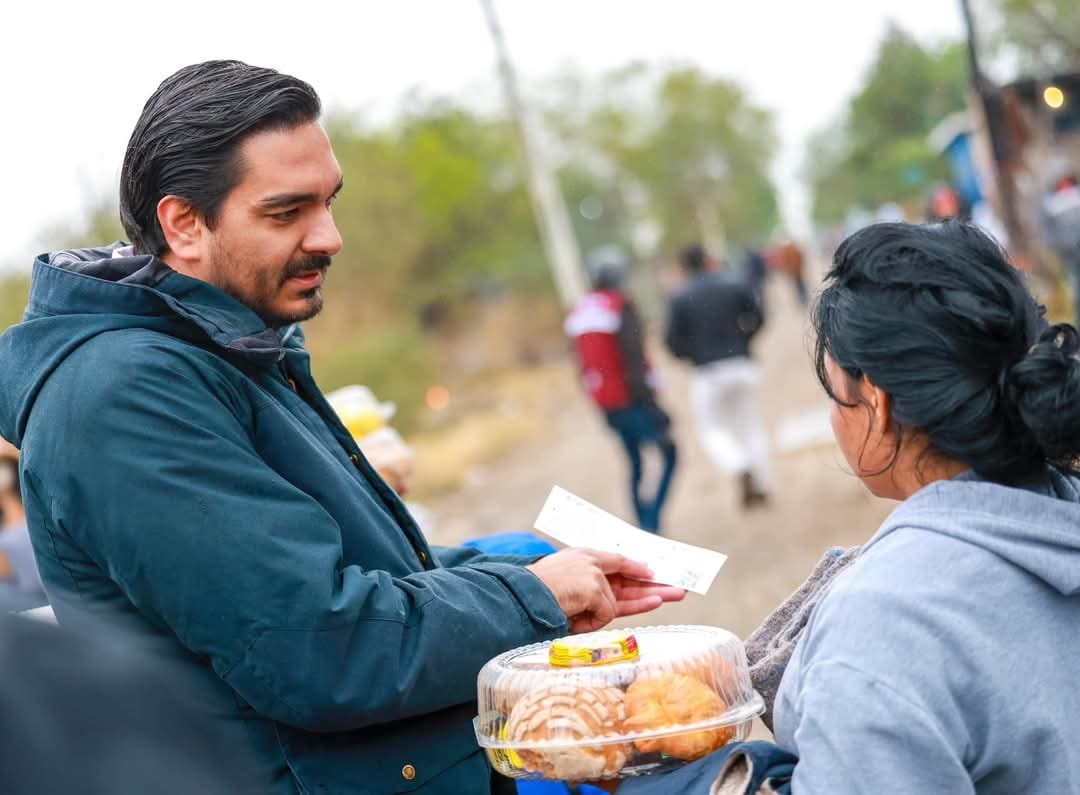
x: 185, y: 479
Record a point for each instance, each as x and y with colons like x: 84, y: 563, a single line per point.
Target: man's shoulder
x: 121, y: 350
x: 137, y: 360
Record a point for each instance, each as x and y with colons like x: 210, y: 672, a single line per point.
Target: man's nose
x: 323, y: 237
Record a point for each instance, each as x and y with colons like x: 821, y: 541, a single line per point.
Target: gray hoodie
x: 946, y: 659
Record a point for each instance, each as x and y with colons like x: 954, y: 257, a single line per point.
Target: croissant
x: 660, y: 701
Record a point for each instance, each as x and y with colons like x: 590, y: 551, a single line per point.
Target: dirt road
x: 815, y: 504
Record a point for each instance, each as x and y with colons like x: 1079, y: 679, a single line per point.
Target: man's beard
x: 266, y: 287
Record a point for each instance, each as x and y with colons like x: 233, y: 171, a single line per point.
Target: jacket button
x: 423, y: 556
x: 355, y: 459
x: 408, y: 772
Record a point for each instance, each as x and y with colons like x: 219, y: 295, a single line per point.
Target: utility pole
x: 552, y: 220
x: 999, y: 137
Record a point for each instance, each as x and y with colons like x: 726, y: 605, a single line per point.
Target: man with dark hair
x: 214, y: 503
x: 711, y: 321
x: 606, y: 331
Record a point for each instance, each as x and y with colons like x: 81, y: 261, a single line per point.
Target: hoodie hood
x: 1035, y: 526
x: 76, y: 295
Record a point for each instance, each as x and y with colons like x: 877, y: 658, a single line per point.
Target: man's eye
x: 286, y: 215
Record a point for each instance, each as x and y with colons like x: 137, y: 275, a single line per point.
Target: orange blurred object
x: 437, y: 398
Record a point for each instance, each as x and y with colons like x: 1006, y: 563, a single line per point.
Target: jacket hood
x: 76, y: 295
x: 1035, y: 526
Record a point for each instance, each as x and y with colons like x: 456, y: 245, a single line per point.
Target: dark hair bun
x: 1044, y: 387
x: 938, y: 318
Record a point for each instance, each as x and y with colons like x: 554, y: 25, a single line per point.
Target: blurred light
x: 437, y: 398
x: 1054, y: 97
x: 591, y: 208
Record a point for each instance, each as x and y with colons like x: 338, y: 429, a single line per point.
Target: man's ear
x: 183, y: 228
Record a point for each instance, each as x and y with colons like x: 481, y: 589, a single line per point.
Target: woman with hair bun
x: 946, y: 657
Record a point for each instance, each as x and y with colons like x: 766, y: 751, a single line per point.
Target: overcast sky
x: 76, y: 74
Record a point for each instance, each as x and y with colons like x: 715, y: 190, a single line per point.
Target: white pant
x: 723, y: 396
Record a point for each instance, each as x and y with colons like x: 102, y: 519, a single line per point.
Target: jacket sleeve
x: 168, y: 494
x: 633, y: 350
x: 677, y: 334
x: 750, y: 318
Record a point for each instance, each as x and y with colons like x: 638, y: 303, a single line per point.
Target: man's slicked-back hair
x: 186, y: 141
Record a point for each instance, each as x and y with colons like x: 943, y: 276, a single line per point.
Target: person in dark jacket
x: 88, y: 710
x: 185, y: 478
x: 755, y: 271
x: 606, y: 330
x: 711, y: 321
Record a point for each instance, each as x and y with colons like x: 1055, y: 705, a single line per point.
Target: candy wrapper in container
x: 613, y: 704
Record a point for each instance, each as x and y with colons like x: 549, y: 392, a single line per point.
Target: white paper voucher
x: 578, y: 523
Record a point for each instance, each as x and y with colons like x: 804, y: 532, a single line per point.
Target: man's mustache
x: 317, y: 262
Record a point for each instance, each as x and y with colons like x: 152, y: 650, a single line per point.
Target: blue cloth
x: 556, y: 788
x: 945, y: 658
x: 762, y: 762
x: 525, y: 544
x: 639, y: 427
x: 526, y: 787
x: 215, y: 506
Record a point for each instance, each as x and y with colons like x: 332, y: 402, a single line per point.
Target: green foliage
x: 13, y: 294
x: 878, y: 152
x: 673, y: 146
x: 394, y: 361
x: 1039, y: 34
x: 100, y: 226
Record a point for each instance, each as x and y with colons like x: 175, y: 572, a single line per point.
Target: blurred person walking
x: 20, y: 584
x: 946, y: 203
x: 608, y: 341
x: 711, y: 321
x: 202, y: 493
x: 788, y: 258
x: 754, y: 270
x: 1060, y: 220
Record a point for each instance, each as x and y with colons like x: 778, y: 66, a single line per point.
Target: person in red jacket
x: 606, y: 331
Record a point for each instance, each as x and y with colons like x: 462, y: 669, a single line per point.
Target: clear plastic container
x: 616, y: 703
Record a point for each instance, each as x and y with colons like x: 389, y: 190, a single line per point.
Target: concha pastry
x: 570, y: 712
x: 510, y: 687
x: 667, y: 700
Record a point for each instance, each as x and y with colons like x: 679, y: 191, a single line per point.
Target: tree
x: 1040, y: 34
x: 878, y: 151
x: 14, y: 291
x: 98, y: 227
x: 672, y: 146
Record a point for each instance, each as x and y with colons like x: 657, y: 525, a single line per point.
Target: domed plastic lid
x: 608, y: 704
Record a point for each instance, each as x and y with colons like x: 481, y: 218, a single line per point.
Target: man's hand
x: 594, y: 587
